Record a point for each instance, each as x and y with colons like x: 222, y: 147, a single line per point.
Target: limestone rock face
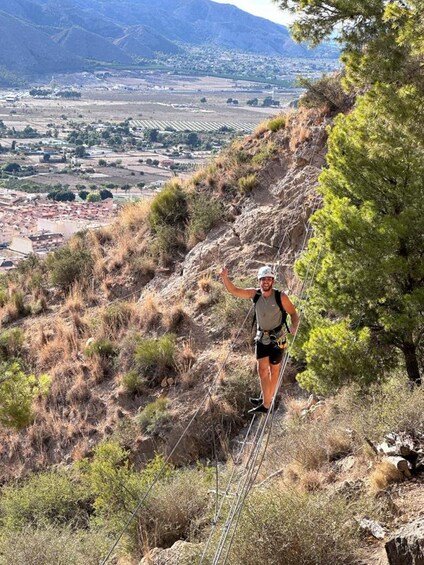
x: 407, y: 545
x: 181, y: 553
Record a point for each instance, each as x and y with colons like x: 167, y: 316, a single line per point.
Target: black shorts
x: 275, y: 354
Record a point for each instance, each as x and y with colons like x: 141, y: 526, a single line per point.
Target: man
x: 270, y: 320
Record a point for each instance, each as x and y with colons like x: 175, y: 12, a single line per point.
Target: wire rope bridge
x: 252, y: 450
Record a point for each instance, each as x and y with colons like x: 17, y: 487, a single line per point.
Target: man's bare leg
x: 275, y: 375
x: 265, y: 377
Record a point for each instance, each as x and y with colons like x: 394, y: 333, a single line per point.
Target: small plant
x: 11, y: 342
x: 116, y: 317
x: 265, y: 153
x: 277, y: 123
x: 205, y: 212
x: 177, y: 509
x: 133, y: 382
x: 168, y: 208
x: 67, y: 265
x: 236, y: 388
x: 17, y: 393
x: 154, y: 416
x: 101, y: 347
x: 152, y: 357
x: 248, y: 183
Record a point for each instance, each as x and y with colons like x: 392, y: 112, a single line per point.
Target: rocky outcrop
x: 181, y: 553
x: 406, y: 547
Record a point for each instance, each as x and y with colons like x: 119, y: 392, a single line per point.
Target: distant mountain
x: 154, y: 41
x: 91, y: 46
x: 123, y: 31
x: 26, y: 50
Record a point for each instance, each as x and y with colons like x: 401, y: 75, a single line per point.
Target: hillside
x: 279, y: 171
x: 25, y: 49
x: 97, y: 30
x: 143, y: 368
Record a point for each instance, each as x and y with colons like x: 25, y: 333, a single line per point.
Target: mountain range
x: 44, y: 36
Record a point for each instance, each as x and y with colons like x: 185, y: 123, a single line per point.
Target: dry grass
x: 133, y: 216
x: 175, y: 319
x: 74, y: 301
x: 149, y: 313
x: 115, y: 319
x: 298, y: 135
x: 383, y: 475
x: 58, y: 344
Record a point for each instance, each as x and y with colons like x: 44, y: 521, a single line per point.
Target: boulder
x: 181, y: 553
x: 406, y: 547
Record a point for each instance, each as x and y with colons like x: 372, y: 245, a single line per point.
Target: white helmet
x: 266, y: 272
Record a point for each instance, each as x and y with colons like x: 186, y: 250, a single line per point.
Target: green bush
x: 266, y: 152
x: 54, y: 498
x: 11, y: 342
x: 153, y: 357
x: 66, y: 265
x: 205, y: 212
x: 154, y: 416
x: 169, y: 208
x: 277, y: 123
x: 17, y: 393
x: 117, y: 487
x: 48, y: 545
x: 248, y: 183
x: 294, y: 529
x: 133, y: 382
x: 101, y: 347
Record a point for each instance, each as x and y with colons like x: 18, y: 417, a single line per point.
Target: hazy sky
x: 264, y: 8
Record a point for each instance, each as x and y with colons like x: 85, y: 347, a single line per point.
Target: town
x: 75, y: 150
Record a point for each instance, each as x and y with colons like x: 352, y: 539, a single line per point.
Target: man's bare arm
x: 291, y: 311
x: 233, y: 289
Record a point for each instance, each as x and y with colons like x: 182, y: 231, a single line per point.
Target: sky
x: 264, y: 8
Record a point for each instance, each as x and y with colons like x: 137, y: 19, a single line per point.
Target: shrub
x: 116, y: 317
x: 66, y: 265
x: 101, y: 347
x: 237, y: 387
x: 11, y: 342
x: 294, y: 529
x: 17, y: 392
x: 55, y: 498
x: 154, y: 416
x: 248, y: 183
x: 176, y: 509
x: 93, y: 197
x: 205, y: 212
x: 169, y: 207
x: 325, y: 91
x: 265, y: 152
x: 277, y: 123
x: 133, y: 382
x: 50, y: 544
x: 154, y: 356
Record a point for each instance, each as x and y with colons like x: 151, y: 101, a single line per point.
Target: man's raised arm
x: 233, y: 289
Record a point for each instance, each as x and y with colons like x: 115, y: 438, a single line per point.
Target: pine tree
x: 368, y: 243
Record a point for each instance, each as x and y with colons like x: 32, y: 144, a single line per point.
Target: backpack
x: 280, y: 304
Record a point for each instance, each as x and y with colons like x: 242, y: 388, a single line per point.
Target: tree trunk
x: 411, y: 361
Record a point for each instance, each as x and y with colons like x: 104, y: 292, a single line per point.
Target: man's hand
x: 223, y: 273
